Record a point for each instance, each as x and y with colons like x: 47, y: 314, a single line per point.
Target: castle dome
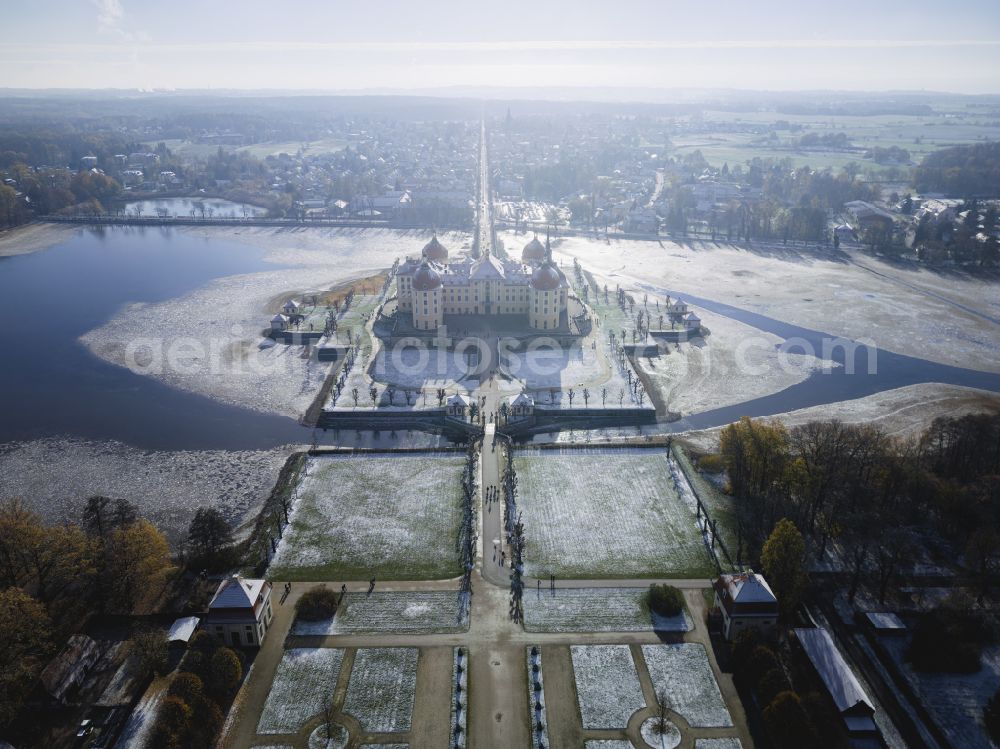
x: 435, y: 251
x: 533, y: 252
x: 547, y: 277
x: 426, y: 278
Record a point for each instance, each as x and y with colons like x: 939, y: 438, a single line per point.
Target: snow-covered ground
x: 394, y: 517
x: 207, y: 341
x: 608, y: 744
x: 607, y: 685
x: 733, y: 364
x: 138, y: 730
x: 903, y: 412
x: 303, y: 685
x: 684, y: 674
x: 34, y: 237
x: 895, y: 307
x: 412, y: 612
x: 606, y: 513
x: 382, y: 689
x: 596, y: 610
x: 955, y: 701
x: 55, y: 476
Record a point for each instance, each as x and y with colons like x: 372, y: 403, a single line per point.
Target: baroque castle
x: 432, y: 288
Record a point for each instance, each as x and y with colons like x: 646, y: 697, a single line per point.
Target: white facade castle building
x: 432, y: 288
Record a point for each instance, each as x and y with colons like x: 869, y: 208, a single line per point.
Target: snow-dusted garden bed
x: 607, y: 513
x: 410, y: 612
x: 303, y: 685
x: 596, y: 610
x: 729, y: 743
x: 390, y: 516
x: 607, y: 685
x: 684, y: 674
x: 382, y: 689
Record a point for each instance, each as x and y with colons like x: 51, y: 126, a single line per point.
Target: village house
x: 746, y: 602
x: 240, y: 611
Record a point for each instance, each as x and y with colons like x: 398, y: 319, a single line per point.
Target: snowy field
x: 685, y: 675
x: 55, y: 476
x: 954, y: 700
x: 900, y: 309
x: 410, y: 612
x: 903, y: 412
x: 392, y: 516
x: 608, y: 744
x: 214, y: 331
x: 303, y: 684
x: 382, y: 689
x: 732, y: 743
x: 596, y: 610
x: 733, y: 364
x: 605, y: 514
x: 607, y: 685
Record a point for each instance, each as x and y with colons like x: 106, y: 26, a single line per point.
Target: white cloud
x: 109, y: 15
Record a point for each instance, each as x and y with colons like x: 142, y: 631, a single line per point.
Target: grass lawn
x: 391, y: 516
x: 606, y: 513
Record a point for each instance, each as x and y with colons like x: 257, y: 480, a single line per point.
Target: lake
x: 51, y: 385
x: 196, y: 207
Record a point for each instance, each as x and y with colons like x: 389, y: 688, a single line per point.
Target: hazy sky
x: 317, y: 44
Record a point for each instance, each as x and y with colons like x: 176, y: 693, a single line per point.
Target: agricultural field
x: 302, y: 687
x: 684, y: 673
x: 607, y: 685
x: 382, y: 689
x: 389, y: 516
x: 596, y: 610
x: 410, y: 612
x: 606, y: 514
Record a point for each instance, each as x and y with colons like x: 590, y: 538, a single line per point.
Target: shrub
x: 225, y: 672
x: 946, y: 641
x: 151, y: 644
x: 712, y: 463
x: 665, y: 600
x: 761, y: 661
x: 187, y: 687
x: 743, y: 646
x: 316, y: 604
x: 771, y: 684
x: 788, y: 723
x: 172, y: 719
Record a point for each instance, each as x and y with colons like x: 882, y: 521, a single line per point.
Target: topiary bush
x: 665, y: 600
x: 316, y: 604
